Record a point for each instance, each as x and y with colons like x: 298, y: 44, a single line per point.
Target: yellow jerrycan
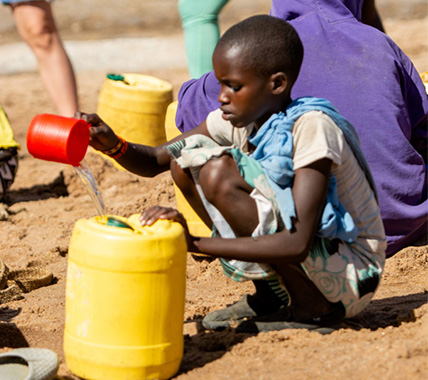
x: 125, y: 294
x: 134, y: 105
x: 196, y: 226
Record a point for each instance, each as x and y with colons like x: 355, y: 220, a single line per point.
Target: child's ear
x: 279, y: 83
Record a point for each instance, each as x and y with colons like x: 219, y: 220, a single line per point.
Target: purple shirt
x: 373, y: 84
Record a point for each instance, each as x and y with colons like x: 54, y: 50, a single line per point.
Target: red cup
x: 57, y: 138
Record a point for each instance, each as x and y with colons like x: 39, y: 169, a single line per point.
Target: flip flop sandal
x: 224, y: 318
x: 29, y: 364
x: 283, y: 320
x: 31, y: 278
x: 253, y: 327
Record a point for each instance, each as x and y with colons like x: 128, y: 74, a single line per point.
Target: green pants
x: 201, y: 32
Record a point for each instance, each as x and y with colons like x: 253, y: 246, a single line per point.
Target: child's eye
x: 235, y: 88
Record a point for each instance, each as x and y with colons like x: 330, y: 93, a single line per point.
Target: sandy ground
x: 390, y: 338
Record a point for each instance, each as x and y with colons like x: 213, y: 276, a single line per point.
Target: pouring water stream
x: 91, y: 186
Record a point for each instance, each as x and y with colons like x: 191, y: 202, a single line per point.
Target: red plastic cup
x: 57, y: 138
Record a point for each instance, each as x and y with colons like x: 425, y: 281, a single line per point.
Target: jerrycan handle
x: 116, y: 222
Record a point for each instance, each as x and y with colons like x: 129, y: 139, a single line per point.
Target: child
x: 296, y: 213
x: 373, y: 84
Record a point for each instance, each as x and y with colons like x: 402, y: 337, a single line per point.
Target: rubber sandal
x: 221, y: 319
x: 248, y: 306
x: 283, y: 320
x: 253, y: 327
x: 28, y: 364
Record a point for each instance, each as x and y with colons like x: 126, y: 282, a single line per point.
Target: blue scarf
x: 274, y: 151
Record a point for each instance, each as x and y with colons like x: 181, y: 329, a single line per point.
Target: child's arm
x: 139, y: 159
x: 309, y: 191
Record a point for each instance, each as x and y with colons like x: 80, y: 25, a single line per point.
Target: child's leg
x: 307, y: 301
x: 225, y: 188
x: 215, y: 174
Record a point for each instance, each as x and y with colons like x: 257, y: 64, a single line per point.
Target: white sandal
x: 28, y: 364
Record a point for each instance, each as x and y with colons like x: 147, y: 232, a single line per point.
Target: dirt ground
x: 390, y: 338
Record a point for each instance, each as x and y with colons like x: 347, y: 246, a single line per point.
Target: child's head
x: 256, y: 62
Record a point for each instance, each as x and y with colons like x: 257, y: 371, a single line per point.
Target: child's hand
x: 152, y: 214
x: 102, y: 136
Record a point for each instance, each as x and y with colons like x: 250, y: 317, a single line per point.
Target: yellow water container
x: 134, y: 105
x: 196, y: 226
x: 125, y: 294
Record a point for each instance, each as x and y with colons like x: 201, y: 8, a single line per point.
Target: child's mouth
x: 226, y: 115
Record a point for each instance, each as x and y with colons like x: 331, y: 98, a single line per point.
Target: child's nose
x: 223, y: 98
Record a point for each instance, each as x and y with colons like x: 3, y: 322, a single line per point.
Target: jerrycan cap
x: 116, y: 222
x: 112, y: 76
x: 117, y: 78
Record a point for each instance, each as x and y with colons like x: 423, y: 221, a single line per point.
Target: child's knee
x: 215, y: 177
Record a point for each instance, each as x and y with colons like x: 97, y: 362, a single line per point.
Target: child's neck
x: 287, y: 102
x: 282, y: 106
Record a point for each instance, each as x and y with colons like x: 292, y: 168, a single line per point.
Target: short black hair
x: 268, y: 45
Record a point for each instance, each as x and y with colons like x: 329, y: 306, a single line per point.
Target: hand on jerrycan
x: 57, y: 138
x: 150, y: 215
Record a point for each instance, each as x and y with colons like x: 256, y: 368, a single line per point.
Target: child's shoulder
x: 316, y: 136
x: 315, y: 120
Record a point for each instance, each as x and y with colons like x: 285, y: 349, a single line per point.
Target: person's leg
x: 307, y: 302
x: 37, y: 28
x: 308, y: 309
x: 201, y: 32
x: 224, y: 187
x: 227, y: 190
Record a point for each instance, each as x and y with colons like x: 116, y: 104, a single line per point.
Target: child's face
x: 245, y: 97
